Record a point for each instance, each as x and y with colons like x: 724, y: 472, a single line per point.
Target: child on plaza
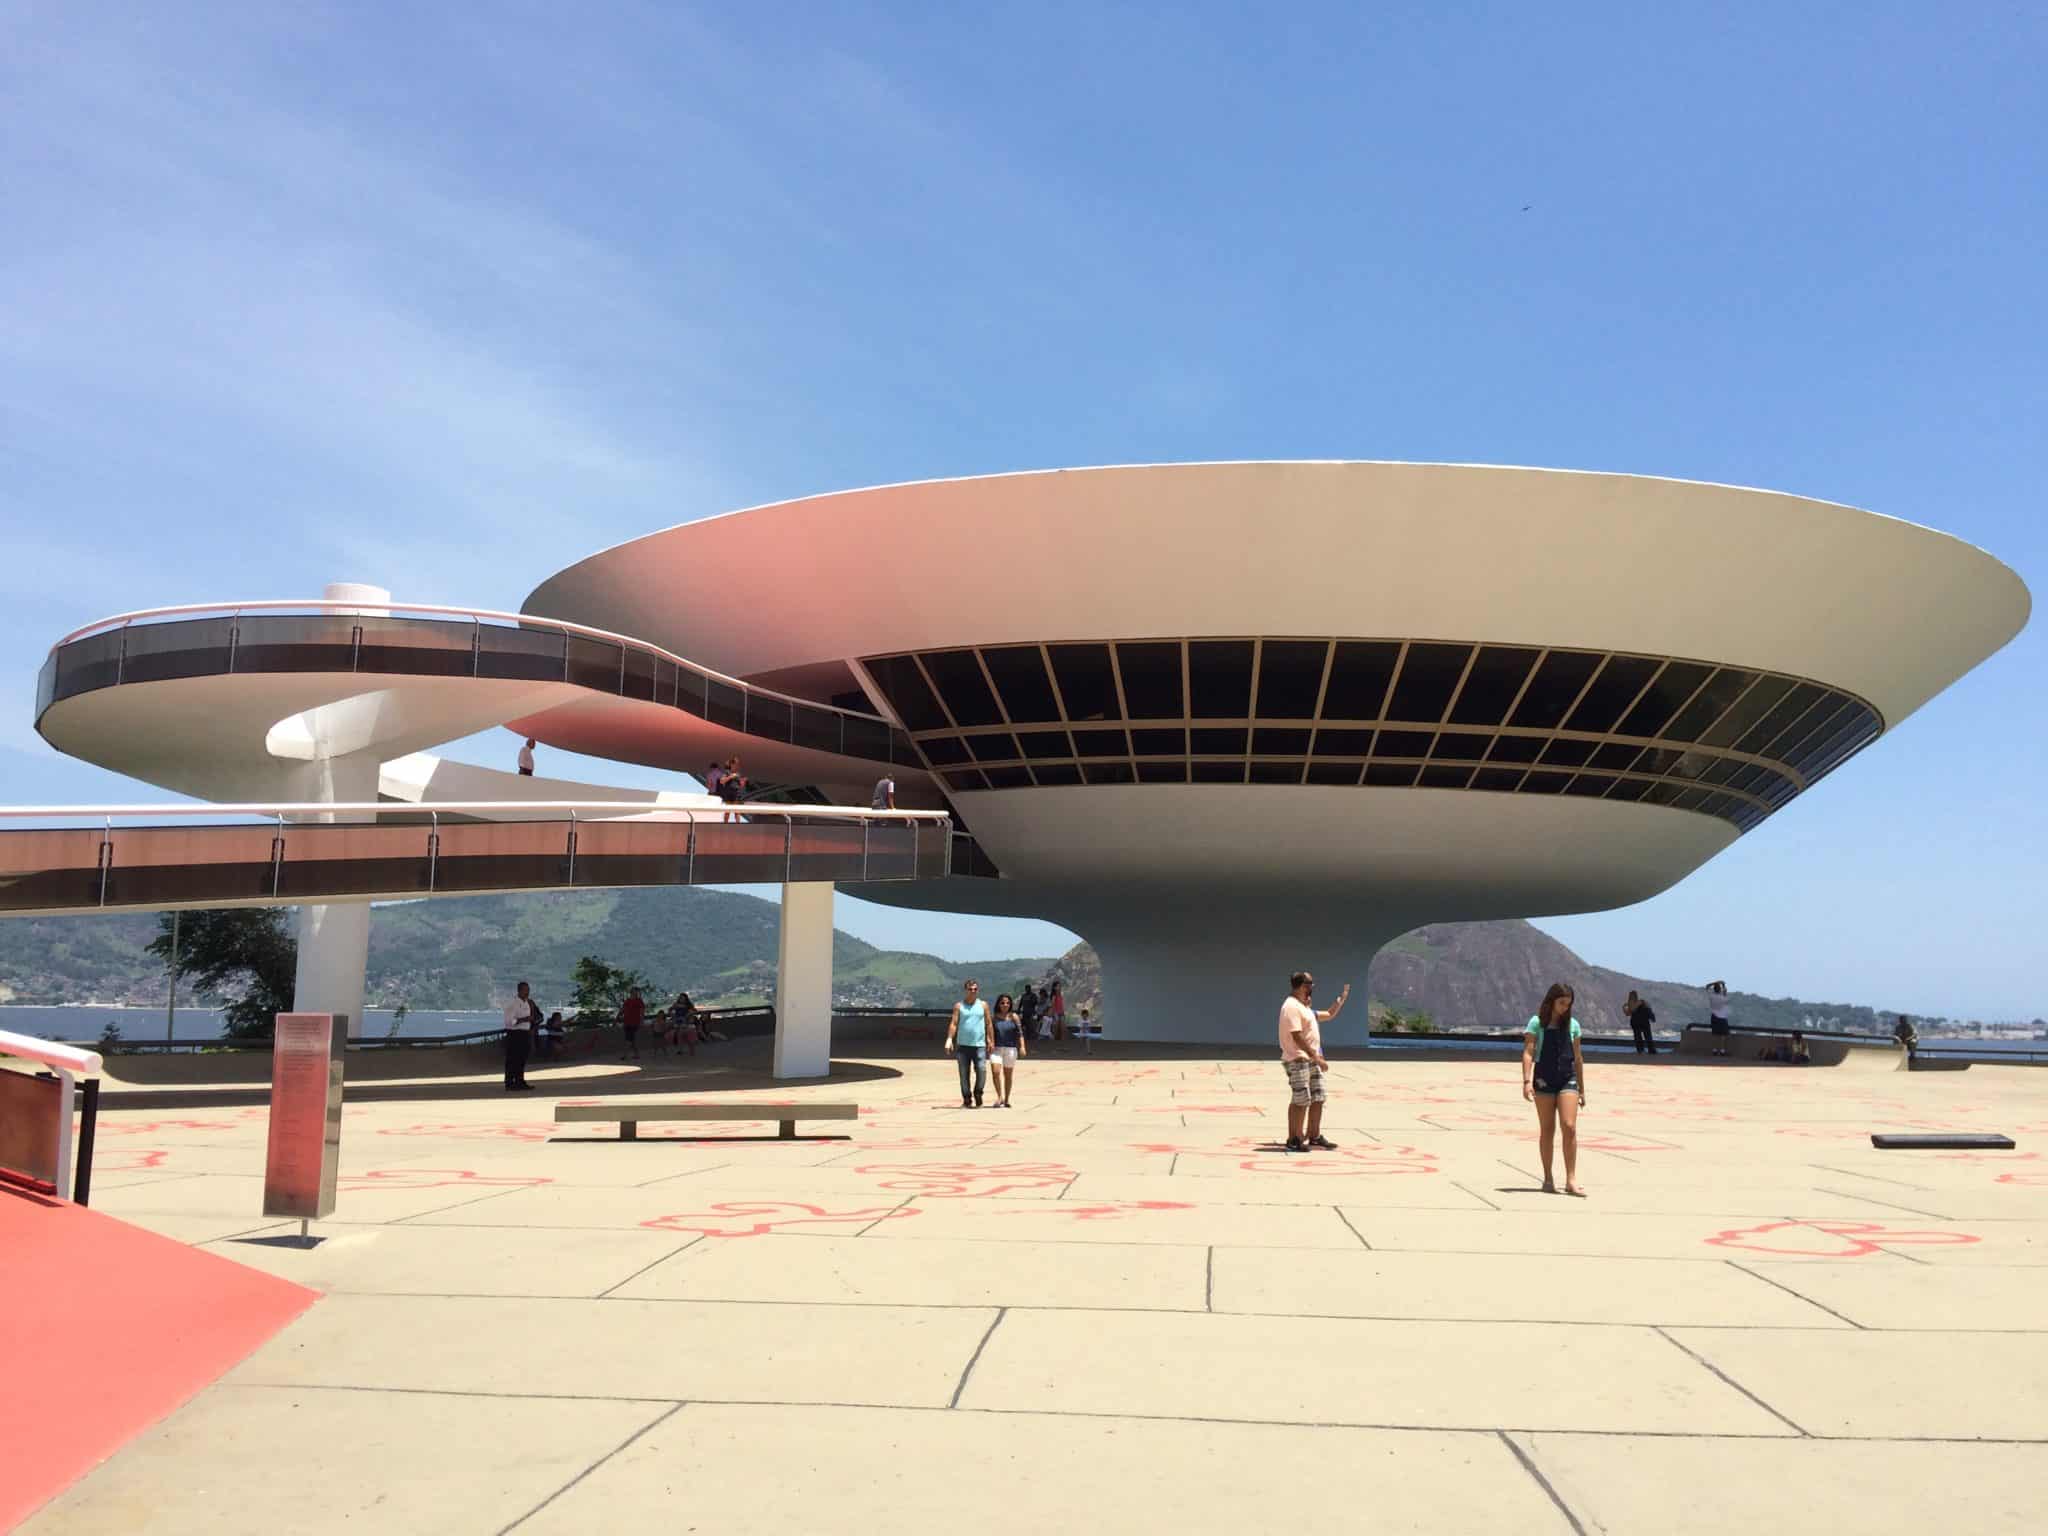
x: 1007, y: 1028
x: 1554, y: 1078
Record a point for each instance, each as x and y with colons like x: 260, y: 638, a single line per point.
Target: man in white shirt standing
x: 526, y: 759
x: 521, y: 1014
x: 1301, y: 1054
x: 885, y: 794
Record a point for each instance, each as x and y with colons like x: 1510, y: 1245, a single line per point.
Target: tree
x: 246, y: 955
x: 601, y: 988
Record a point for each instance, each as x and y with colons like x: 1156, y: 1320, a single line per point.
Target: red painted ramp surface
x: 104, y: 1329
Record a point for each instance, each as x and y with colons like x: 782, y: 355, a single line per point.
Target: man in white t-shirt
x: 885, y: 794
x: 1301, y: 1054
x: 521, y: 1014
x: 526, y: 759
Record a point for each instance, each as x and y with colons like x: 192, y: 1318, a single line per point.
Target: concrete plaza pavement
x: 1117, y: 1307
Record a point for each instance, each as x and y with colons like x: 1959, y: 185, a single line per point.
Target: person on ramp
x: 1554, y: 1077
x: 1301, y: 1055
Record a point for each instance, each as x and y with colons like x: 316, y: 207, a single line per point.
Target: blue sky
x: 444, y: 298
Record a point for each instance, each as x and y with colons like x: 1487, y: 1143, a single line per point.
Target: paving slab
x: 472, y: 1261
x: 741, y: 1468
x: 1703, y: 1486
x: 1965, y: 1299
x: 932, y: 1272
x: 1408, y: 1191
x: 670, y: 1205
x: 265, y: 1460
x: 1319, y: 1371
x: 1933, y: 1385
x: 1179, y: 1222
x: 1535, y: 1288
x: 1560, y: 1225
x: 892, y: 1356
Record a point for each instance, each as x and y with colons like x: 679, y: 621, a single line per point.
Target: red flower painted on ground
x: 1830, y: 1239
x: 752, y: 1218
x: 953, y: 1180
x: 1203, y: 1109
x: 531, y: 1131
x: 151, y: 1127
x: 2025, y: 1176
x: 1115, y: 1210
x: 430, y: 1178
x: 133, y: 1161
x: 1373, y: 1159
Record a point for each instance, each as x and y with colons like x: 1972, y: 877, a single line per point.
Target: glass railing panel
x: 725, y: 705
x: 690, y: 692
x: 738, y: 852
x: 631, y: 852
x: 157, y: 865
x: 825, y: 850
x: 528, y: 654
x: 892, y: 851
x: 817, y: 728
x: 296, y: 642
x: 355, y: 859
x: 83, y: 665
x: 902, y: 750
x: 46, y: 684
x: 640, y: 674
x: 50, y: 868
x: 767, y: 717
x: 664, y: 680
x: 595, y: 663
x: 867, y: 739
x: 501, y: 855
x: 187, y: 648
x: 417, y: 647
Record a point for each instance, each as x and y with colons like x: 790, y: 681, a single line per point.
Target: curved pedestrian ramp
x: 453, y: 848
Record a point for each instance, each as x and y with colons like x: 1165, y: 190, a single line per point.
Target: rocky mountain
x: 1492, y: 976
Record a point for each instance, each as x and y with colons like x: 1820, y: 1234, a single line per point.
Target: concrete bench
x: 629, y: 1116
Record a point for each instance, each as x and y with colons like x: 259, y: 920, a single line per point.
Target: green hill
x: 467, y: 951
x: 720, y: 946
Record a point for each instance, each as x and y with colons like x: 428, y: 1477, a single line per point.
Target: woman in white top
x: 1554, y: 1077
x: 1717, y: 1015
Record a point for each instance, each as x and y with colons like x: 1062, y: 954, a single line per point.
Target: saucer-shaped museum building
x: 1229, y: 720
x: 1223, y: 720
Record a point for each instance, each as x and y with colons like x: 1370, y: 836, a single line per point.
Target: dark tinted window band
x: 1434, y: 714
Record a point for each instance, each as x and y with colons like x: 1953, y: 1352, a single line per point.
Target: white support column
x: 803, y: 982
x: 334, y: 937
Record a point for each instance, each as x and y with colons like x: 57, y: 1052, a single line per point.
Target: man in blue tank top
x: 967, y: 1039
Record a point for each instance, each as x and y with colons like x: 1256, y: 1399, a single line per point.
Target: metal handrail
x: 64, y: 1058
x: 358, y: 608
x: 618, y: 809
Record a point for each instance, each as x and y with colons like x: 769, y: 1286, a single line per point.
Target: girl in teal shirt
x: 1554, y: 1076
